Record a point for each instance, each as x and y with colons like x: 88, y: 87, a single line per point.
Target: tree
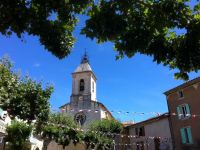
x: 147, y: 27
x: 36, y: 18
x: 23, y: 97
x: 9, y: 82
x: 32, y: 101
x: 61, y: 128
x: 101, y: 134
x: 17, y: 135
x: 150, y: 27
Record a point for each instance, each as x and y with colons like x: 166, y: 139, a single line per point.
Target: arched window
x: 82, y: 85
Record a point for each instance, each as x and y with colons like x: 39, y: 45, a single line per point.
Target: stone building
x: 151, y: 134
x: 184, y: 107
x: 83, y: 105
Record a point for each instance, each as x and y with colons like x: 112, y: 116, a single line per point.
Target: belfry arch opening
x: 82, y: 85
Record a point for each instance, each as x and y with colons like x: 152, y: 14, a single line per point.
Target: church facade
x: 84, y: 106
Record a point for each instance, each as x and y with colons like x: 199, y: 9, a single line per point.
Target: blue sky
x: 133, y: 85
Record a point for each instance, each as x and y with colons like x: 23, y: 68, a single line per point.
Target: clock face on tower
x: 80, y: 98
x: 80, y: 118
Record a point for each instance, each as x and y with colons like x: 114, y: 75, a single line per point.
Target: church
x: 84, y: 106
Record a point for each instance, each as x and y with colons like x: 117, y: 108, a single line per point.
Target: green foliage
x: 134, y: 26
x: 18, y: 134
x: 62, y: 129
x: 9, y: 82
x: 36, y: 17
x: 94, y: 140
x: 105, y: 126
x: 149, y: 27
x: 101, y: 134
x: 33, y: 101
x: 24, y: 98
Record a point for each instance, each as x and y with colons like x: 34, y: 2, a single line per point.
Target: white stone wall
x: 93, y: 88
x: 93, y: 113
x: 54, y: 146
x: 90, y: 116
x: 76, y: 83
x: 89, y: 80
x: 158, y: 128
x: 84, y: 100
x: 105, y: 115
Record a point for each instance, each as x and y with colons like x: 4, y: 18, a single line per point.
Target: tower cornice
x: 74, y: 73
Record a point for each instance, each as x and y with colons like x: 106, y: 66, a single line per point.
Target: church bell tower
x: 84, y: 83
x: 83, y: 105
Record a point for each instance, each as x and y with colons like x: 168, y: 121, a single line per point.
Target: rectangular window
x: 157, y: 143
x: 180, y: 94
x: 136, y: 131
x: 186, y: 135
x: 92, y: 86
x: 140, y: 131
x: 183, y: 111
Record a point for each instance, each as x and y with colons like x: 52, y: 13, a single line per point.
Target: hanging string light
x: 113, y: 134
x: 120, y: 112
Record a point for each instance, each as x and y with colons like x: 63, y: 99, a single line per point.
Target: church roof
x: 102, y: 106
x: 105, y: 109
x: 150, y: 120
x: 83, y: 67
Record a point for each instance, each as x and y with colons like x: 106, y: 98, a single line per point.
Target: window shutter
x: 136, y: 131
x: 1, y: 111
x: 189, y: 135
x: 179, y: 112
x: 187, y: 108
x: 183, y: 136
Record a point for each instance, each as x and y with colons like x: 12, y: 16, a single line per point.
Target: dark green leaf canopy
x: 150, y: 27
x: 167, y: 30
x: 35, y: 18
